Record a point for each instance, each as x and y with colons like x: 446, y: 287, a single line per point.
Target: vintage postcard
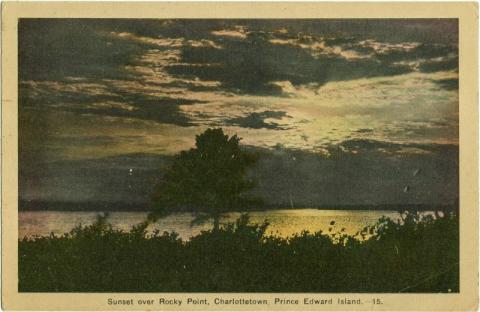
x: 240, y: 156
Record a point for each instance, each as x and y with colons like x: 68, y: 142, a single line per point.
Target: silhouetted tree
x: 208, y: 179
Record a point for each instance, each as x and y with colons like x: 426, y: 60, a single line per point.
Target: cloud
x: 365, y: 177
x: 443, y: 64
x: 94, y: 140
x: 366, y: 146
x: 368, y: 177
x: 54, y: 49
x: 448, y: 84
x: 253, y: 65
x: 256, y: 120
x: 403, y: 108
x: 105, y: 99
x: 163, y: 51
x: 128, y: 178
x: 341, y: 94
x: 239, y: 32
x: 165, y: 42
x: 364, y: 130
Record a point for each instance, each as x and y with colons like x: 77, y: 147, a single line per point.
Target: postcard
x: 240, y: 156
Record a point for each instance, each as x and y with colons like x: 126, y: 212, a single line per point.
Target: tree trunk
x: 216, y: 222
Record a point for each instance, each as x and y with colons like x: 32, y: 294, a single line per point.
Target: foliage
x: 208, y: 179
x: 416, y: 254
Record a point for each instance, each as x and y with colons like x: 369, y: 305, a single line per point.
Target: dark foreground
x: 419, y: 255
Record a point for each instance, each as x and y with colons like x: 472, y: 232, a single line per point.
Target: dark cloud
x: 245, y: 66
x: 129, y: 178
x: 380, y: 147
x: 364, y: 130
x: 51, y: 49
x: 252, y: 64
x: 256, y: 120
x: 121, y: 68
x: 368, y: 177
x: 445, y: 128
x: 434, y: 66
x: 340, y: 41
x: 433, y: 31
x: 54, y: 49
x: 163, y: 110
x: 190, y: 86
x: 109, y: 100
x: 422, y: 51
x: 93, y: 140
x: 448, y: 84
x: 364, y: 145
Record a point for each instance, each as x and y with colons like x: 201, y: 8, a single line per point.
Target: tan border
x: 467, y: 12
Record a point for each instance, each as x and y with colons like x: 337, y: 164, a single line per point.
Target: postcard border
x: 466, y: 12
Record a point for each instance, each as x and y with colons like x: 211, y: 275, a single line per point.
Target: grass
x: 417, y: 254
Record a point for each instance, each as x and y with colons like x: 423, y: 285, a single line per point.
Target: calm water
x: 282, y: 222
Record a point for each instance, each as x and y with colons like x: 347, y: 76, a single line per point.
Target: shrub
x: 416, y: 254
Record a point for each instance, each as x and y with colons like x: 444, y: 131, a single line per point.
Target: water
x: 283, y: 223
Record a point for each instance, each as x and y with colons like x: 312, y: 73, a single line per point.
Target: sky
x: 342, y: 111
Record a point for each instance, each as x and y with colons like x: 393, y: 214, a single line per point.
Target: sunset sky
x: 345, y: 111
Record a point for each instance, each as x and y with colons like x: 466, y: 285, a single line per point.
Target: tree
x: 207, y: 180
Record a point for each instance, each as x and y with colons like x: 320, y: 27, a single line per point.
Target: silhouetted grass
x: 418, y: 254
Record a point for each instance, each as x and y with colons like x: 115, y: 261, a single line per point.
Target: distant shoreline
x: 143, y: 207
